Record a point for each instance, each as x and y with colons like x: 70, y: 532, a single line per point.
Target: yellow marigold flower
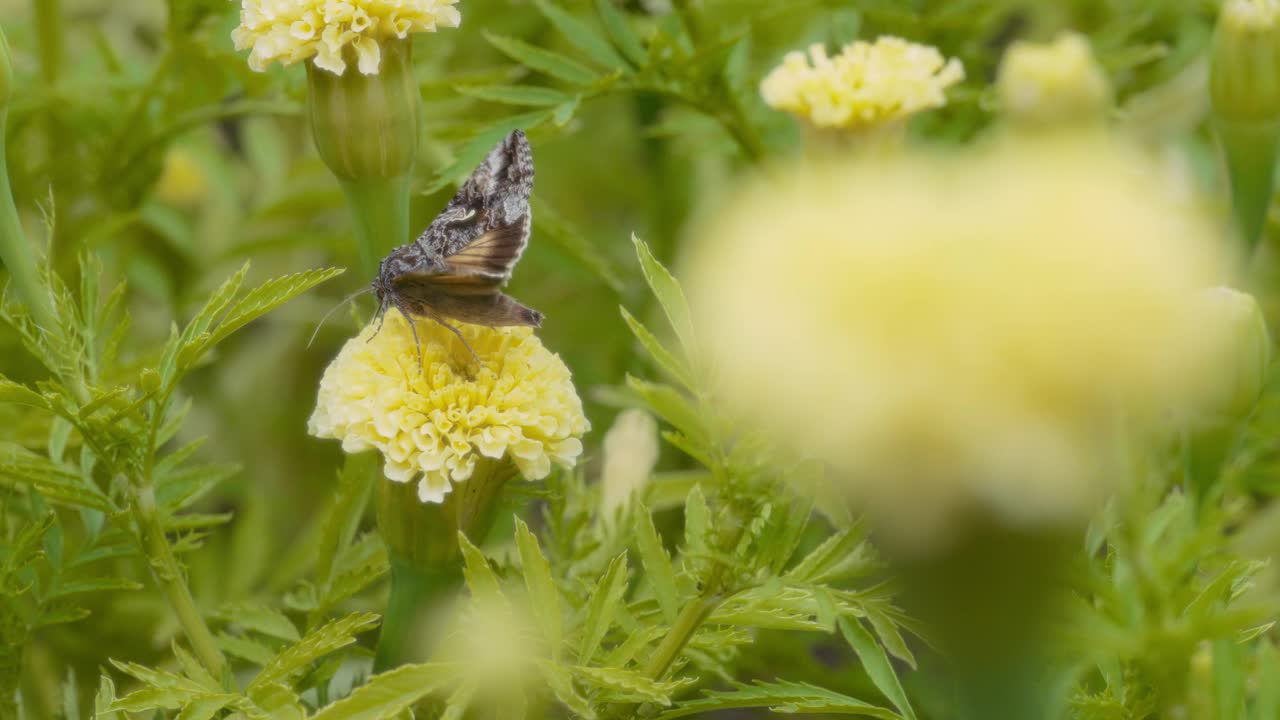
x: 866, y: 85
x: 1055, y: 83
x: 435, y: 422
x: 958, y: 335
x: 292, y: 30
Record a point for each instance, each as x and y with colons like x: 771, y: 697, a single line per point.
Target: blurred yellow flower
x: 435, y: 422
x: 630, y: 452
x: 1053, y: 83
x: 959, y: 334
x: 866, y: 85
x: 182, y: 182
x: 332, y: 31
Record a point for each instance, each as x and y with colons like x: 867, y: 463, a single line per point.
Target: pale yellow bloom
x: 960, y: 334
x: 433, y: 423
x: 1053, y: 83
x: 630, y: 452
x: 866, y: 85
x: 333, y: 31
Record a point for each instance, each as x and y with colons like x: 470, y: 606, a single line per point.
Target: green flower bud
x: 1244, y: 90
x: 366, y: 126
x: 1053, y: 84
x: 1237, y: 353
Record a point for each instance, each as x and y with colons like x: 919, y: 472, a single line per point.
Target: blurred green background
x: 142, y: 130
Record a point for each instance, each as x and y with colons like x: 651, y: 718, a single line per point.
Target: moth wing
x: 481, y: 267
x: 494, y: 253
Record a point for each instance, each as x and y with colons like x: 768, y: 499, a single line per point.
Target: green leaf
x: 389, y: 694
x: 600, y: 610
x: 244, y: 648
x: 561, y: 683
x: 342, y: 520
x: 274, y: 701
x: 544, y: 61
x: 673, y: 406
x: 828, y: 559
x: 565, y: 111
x: 543, y: 594
x: 479, y: 576
x: 194, y: 669
x: 327, y: 638
x: 262, y: 619
x: 781, y: 696
x: 625, y: 685
x: 206, y: 707
x: 56, y: 483
x: 667, y: 360
x: 267, y: 297
x: 103, y: 700
x: 657, y: 565
x: 669, y: 294
x: 620, y: 32
x: 697, y: 523
x: 530, y: 95
x: 91, y: 585
x: 876, y: 662
x: 581, y: 35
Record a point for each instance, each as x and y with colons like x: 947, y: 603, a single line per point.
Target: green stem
x: 49, y: 25
x: 686, y: 624
x: 416, y: 593
x: 380, y: 217
x: 168, y: 574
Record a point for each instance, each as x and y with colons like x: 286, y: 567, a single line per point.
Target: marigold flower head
x: 866, y: 85
x: 959, y: 335
x: 289, y: 31
x: 435, y: 422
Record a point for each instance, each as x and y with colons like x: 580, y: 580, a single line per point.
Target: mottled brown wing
x: 493, y: 254
x: 481, y: 267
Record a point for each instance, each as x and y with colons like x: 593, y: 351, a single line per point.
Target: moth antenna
x: 333, y: 310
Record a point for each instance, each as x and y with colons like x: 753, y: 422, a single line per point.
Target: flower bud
x: 1053, y: 85
x: 366, y: 126
x: 1237, y: 349
x: 1244, y: 90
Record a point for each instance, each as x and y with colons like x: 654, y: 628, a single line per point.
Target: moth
x: 456, y: 269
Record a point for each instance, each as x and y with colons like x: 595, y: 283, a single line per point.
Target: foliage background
x: 142, y: 133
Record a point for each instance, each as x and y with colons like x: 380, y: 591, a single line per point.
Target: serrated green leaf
x: 368, y: 570
x: 262, y: 619
x: 386, y: 695
x: 244, y: 648
x: 206, y: 707
x: 697, y: 525
x: 91, y: 585
x: 666, y: 360
x: 620, y: 33
x: 560, y: 680
x: 530, y: 95
x: 887, y: 630
x: 342, y: 521
x: 669, y: 294
x: 657, y: 565
x: 455, y: 707
x: 480, y: 579
x: 876, y: 662
x: 194, y: 669
x: 316, y: 644
x: 56, y: 483
x: 267, y: 297
x: 163, y: 689
x: 103, y: 700
x: 581, y: 35
x: 629, y: 685
x: 544, y: 61
x: 786, y: 697
x: 825, y: 560
x: 274, y: 701
x: 600, y: 609
x: 673, y: 406
x: 544, y: 596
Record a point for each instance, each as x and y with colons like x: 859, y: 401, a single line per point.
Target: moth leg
x: 413, y: 328
x: 458, y: 332
x: 381, y: 317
